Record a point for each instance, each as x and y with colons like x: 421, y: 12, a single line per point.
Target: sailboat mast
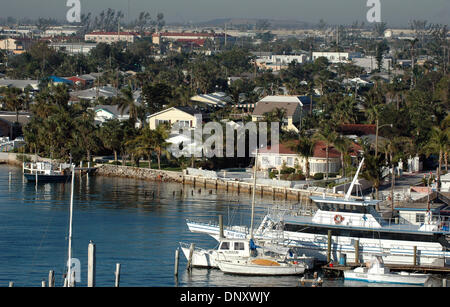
x: 254, y: 194
x: 69, y: 253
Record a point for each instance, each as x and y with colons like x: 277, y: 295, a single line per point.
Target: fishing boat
x: 239, y: 249
x: 351, y: 220
x: 43, y: 172
x: 376, y: 272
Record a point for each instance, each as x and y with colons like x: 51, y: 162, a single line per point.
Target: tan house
x: 290, y: 104
x: 183, y: 115
x: 12, y: 45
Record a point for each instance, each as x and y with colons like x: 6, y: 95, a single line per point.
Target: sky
x: 396, y: 13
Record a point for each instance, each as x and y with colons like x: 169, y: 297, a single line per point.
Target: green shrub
x: 318, y: 176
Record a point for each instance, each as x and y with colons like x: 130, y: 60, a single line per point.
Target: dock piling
x: 415, y: 255
x: 91, y: 264
x: 43, y: 284
x: 177, y: 261
x: 11, y: 284
x: 191, y: 254
x: 357, y: 251
x: 221, y: 226
x: 329, y: 247
x: 51, y: 279
x: 117, y: 274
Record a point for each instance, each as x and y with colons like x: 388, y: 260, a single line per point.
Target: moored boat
x: 44, y: 172
x: 261, y: 267
x: 376, y: 272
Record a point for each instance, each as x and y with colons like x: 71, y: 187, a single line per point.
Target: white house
x: 104, y: 113
x: 332, y: 57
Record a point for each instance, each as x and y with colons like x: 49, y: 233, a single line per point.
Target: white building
x: 332, y: 57
x: 73, y: 48
x: 369, y: 63
x: 111, y: 37
x: 104, y: 113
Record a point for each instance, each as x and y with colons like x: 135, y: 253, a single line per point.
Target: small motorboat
x: 44, y: 172
x: 376, y: 272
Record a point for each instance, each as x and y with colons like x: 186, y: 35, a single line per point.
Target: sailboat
x: 259, y: 262
x: 70, y: 277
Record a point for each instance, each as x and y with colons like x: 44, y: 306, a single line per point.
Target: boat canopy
x: 343, y: 201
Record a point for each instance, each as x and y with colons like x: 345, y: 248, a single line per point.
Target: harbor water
x: 138, y: 224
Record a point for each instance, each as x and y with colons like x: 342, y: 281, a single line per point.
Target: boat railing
x: 236, y: 228
x: 441, y: 222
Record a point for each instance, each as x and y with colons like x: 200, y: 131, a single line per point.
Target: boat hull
x: 259, y: 270
x: 393, y: 278
x: 47, y: 178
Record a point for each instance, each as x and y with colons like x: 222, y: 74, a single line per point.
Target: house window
x: 239, y: 246
x: 159, y: 122
x: 278, y: 161
x: 265, y: 161
x: 290, y: 161
x: 225, y: 246
x: 184, y: 123
x: 420, y: 218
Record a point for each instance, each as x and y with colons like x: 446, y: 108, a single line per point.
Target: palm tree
x: 85, y: 133
x: 12, y: 100
x: 305, y: 149
x: 328, y: 135
x: 343, y: 145
x: 439, y: 142
x: 111, y: 135
x: 126, y: 102
x: 161, y: 133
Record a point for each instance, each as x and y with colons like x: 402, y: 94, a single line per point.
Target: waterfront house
x: 292, y: 105
x: 277, y: 156
x: 185, y: 116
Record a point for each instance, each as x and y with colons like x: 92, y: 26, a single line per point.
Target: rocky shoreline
x: 138, y: 173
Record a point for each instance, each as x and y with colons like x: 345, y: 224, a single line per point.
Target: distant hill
x: 274, y: 23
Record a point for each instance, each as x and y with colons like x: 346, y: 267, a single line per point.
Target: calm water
x: 127, y: 225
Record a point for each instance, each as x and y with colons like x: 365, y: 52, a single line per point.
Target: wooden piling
x: 43, y: 284
x: 357, y: 251
x: 415, y: 255
x: 221, y: 226
x: 91, y: 265
x: 73, y: 279
x: 191, y: 254
x: 444, y: 282
x: 51, y: 279
x: 329, y: 247
x: 11, y: 284
x: 117, y: 275
x: 177, y: 261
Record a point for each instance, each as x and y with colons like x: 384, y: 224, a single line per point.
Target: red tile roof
x: 319, y: 150
x: 359, y: 129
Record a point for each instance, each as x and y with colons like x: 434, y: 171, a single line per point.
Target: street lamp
x: 376, y: 135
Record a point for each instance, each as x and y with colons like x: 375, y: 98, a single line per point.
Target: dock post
x: 444, y: 282
x: 177, y: 261
x: 91, y: 265
x: 11, y: 284
x: 415, y: 255
x: 10, y: 177
x: 357, y: 251
x: 191, y: 254
x: 43, y: 284
x: 194, y: 182
x: 221, y: 226
x: 117, y: 274
x: 73, y: 281
x: 329, y: 247
x: 51, y: 279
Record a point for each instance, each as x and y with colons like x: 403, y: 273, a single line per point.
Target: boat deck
x: 385, y: 225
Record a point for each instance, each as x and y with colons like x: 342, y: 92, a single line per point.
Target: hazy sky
x: 394, y: 12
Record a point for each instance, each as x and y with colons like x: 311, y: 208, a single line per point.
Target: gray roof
x: 113, y: 109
